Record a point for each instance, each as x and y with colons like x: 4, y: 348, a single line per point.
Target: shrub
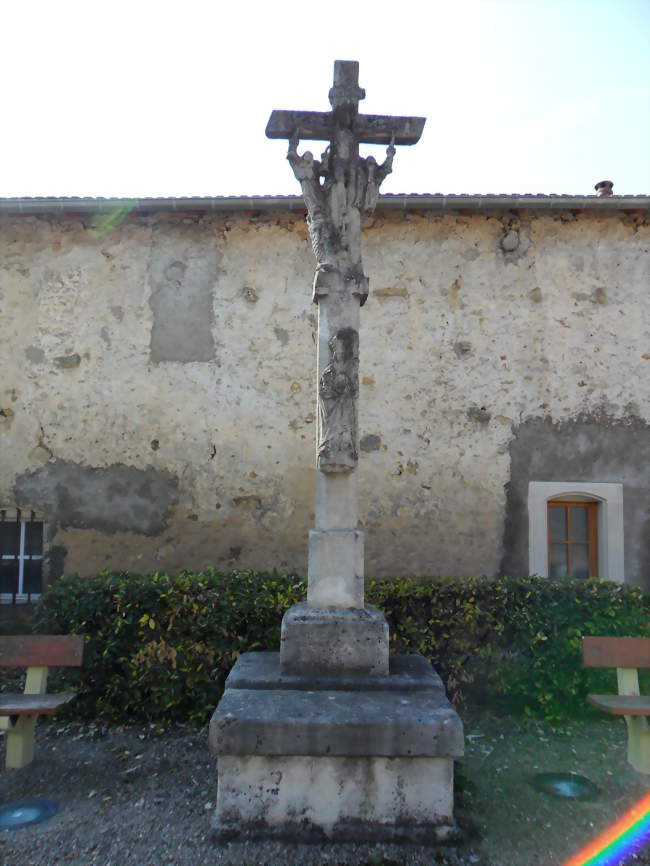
x: 543, y: 623
x: 159, y: 647
x: 454, y: 622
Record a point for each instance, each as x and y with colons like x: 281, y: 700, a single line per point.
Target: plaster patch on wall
x: 592, y: 448
x: 34, y: 354
x: 370, y: 442
x: 116, y: 498
x: 391, y: 292
x: 281, y: 334
x: 182, y: 273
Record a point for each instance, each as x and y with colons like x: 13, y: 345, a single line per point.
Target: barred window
x: 21, y: 555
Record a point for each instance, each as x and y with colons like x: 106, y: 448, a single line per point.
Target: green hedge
x: 159, y: 647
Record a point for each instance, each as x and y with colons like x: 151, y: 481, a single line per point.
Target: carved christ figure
x: 338, y: 389
x: 328, y: 200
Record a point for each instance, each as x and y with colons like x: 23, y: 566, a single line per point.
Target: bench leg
x: 20, y: 737
x: 20, y: 743
x: 638, y: 743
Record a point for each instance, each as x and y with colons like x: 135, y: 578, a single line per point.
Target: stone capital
x: 326, y: 279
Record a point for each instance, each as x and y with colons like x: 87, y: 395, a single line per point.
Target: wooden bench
x: 626, y: 654
x: 18, y: 712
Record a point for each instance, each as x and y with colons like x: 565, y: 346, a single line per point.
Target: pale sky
x: 161, y: 98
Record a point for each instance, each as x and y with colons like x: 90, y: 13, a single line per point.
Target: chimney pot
x: 604, y: 188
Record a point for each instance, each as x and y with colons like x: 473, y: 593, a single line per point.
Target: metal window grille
x: 21, y: 556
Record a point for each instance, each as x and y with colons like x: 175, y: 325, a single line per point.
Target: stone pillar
x: 334, y: 630
x: 335, y: 573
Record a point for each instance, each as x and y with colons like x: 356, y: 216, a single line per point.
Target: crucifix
x: 328, y: 738
x: 339, y: 190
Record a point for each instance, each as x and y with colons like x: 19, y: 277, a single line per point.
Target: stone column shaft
x: 335, y: 573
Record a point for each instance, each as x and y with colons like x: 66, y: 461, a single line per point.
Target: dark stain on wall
x: 115, y: 498
x: 55, y: 562
x: 370, y: 442
x: 592, y: 447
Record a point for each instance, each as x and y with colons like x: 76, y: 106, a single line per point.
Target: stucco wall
x: 158, y: 384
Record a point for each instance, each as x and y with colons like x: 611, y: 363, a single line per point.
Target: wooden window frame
x: 611, y: 534
x: 592, y: 530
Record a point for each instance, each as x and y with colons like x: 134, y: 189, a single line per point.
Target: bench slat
x: 622, y: 705
x: 616, y: 652
x: 41, y: 650
x: 33, y: 705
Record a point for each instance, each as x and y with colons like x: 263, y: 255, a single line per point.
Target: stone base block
x: 336, y: 723
x: 351, y: 758
x: 406, y: 673
x: 316, y: 642
x: 341, y: 757
x: 336, y: 798
x: 335, y: 568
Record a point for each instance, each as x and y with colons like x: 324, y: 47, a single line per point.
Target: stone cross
x: 339, y: 190
x: 328, y: 738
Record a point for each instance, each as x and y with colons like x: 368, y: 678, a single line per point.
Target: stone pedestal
x: 340, y: 756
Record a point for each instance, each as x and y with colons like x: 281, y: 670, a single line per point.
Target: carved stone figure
x: 338, y: 389
x: 307, y: 171
x: 337, y: 205
x: 339, y: 191
x: 374, y: 175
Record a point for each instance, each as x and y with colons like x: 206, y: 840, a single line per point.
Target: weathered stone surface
x: 335, y: 798
x: 255, y: 429
x: 371, y: 129
x: 261, y: 670
x: 510, y: 241
x: 324, y: 641
x: 68, y: 362
x: 371, y: 724
x: 335, y: 568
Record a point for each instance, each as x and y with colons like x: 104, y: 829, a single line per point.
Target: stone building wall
x: 158, y: 384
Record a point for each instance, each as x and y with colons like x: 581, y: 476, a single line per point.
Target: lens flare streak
x: 625, y: 837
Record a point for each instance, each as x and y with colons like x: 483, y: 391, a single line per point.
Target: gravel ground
x: 135, y: 796
x: 130, y: 795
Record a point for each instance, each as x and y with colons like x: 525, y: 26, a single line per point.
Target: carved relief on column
x: 338, y: 390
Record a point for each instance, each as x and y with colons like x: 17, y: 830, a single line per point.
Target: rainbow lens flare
x: 112, y: 219
x: 628, y: 835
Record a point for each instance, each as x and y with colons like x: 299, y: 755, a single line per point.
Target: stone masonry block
x: 342, y: 799
x: 333, y: 640
x: 329, y: 723
x: 335, y: 568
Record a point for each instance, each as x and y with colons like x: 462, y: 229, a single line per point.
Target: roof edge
x: 436, y: 202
